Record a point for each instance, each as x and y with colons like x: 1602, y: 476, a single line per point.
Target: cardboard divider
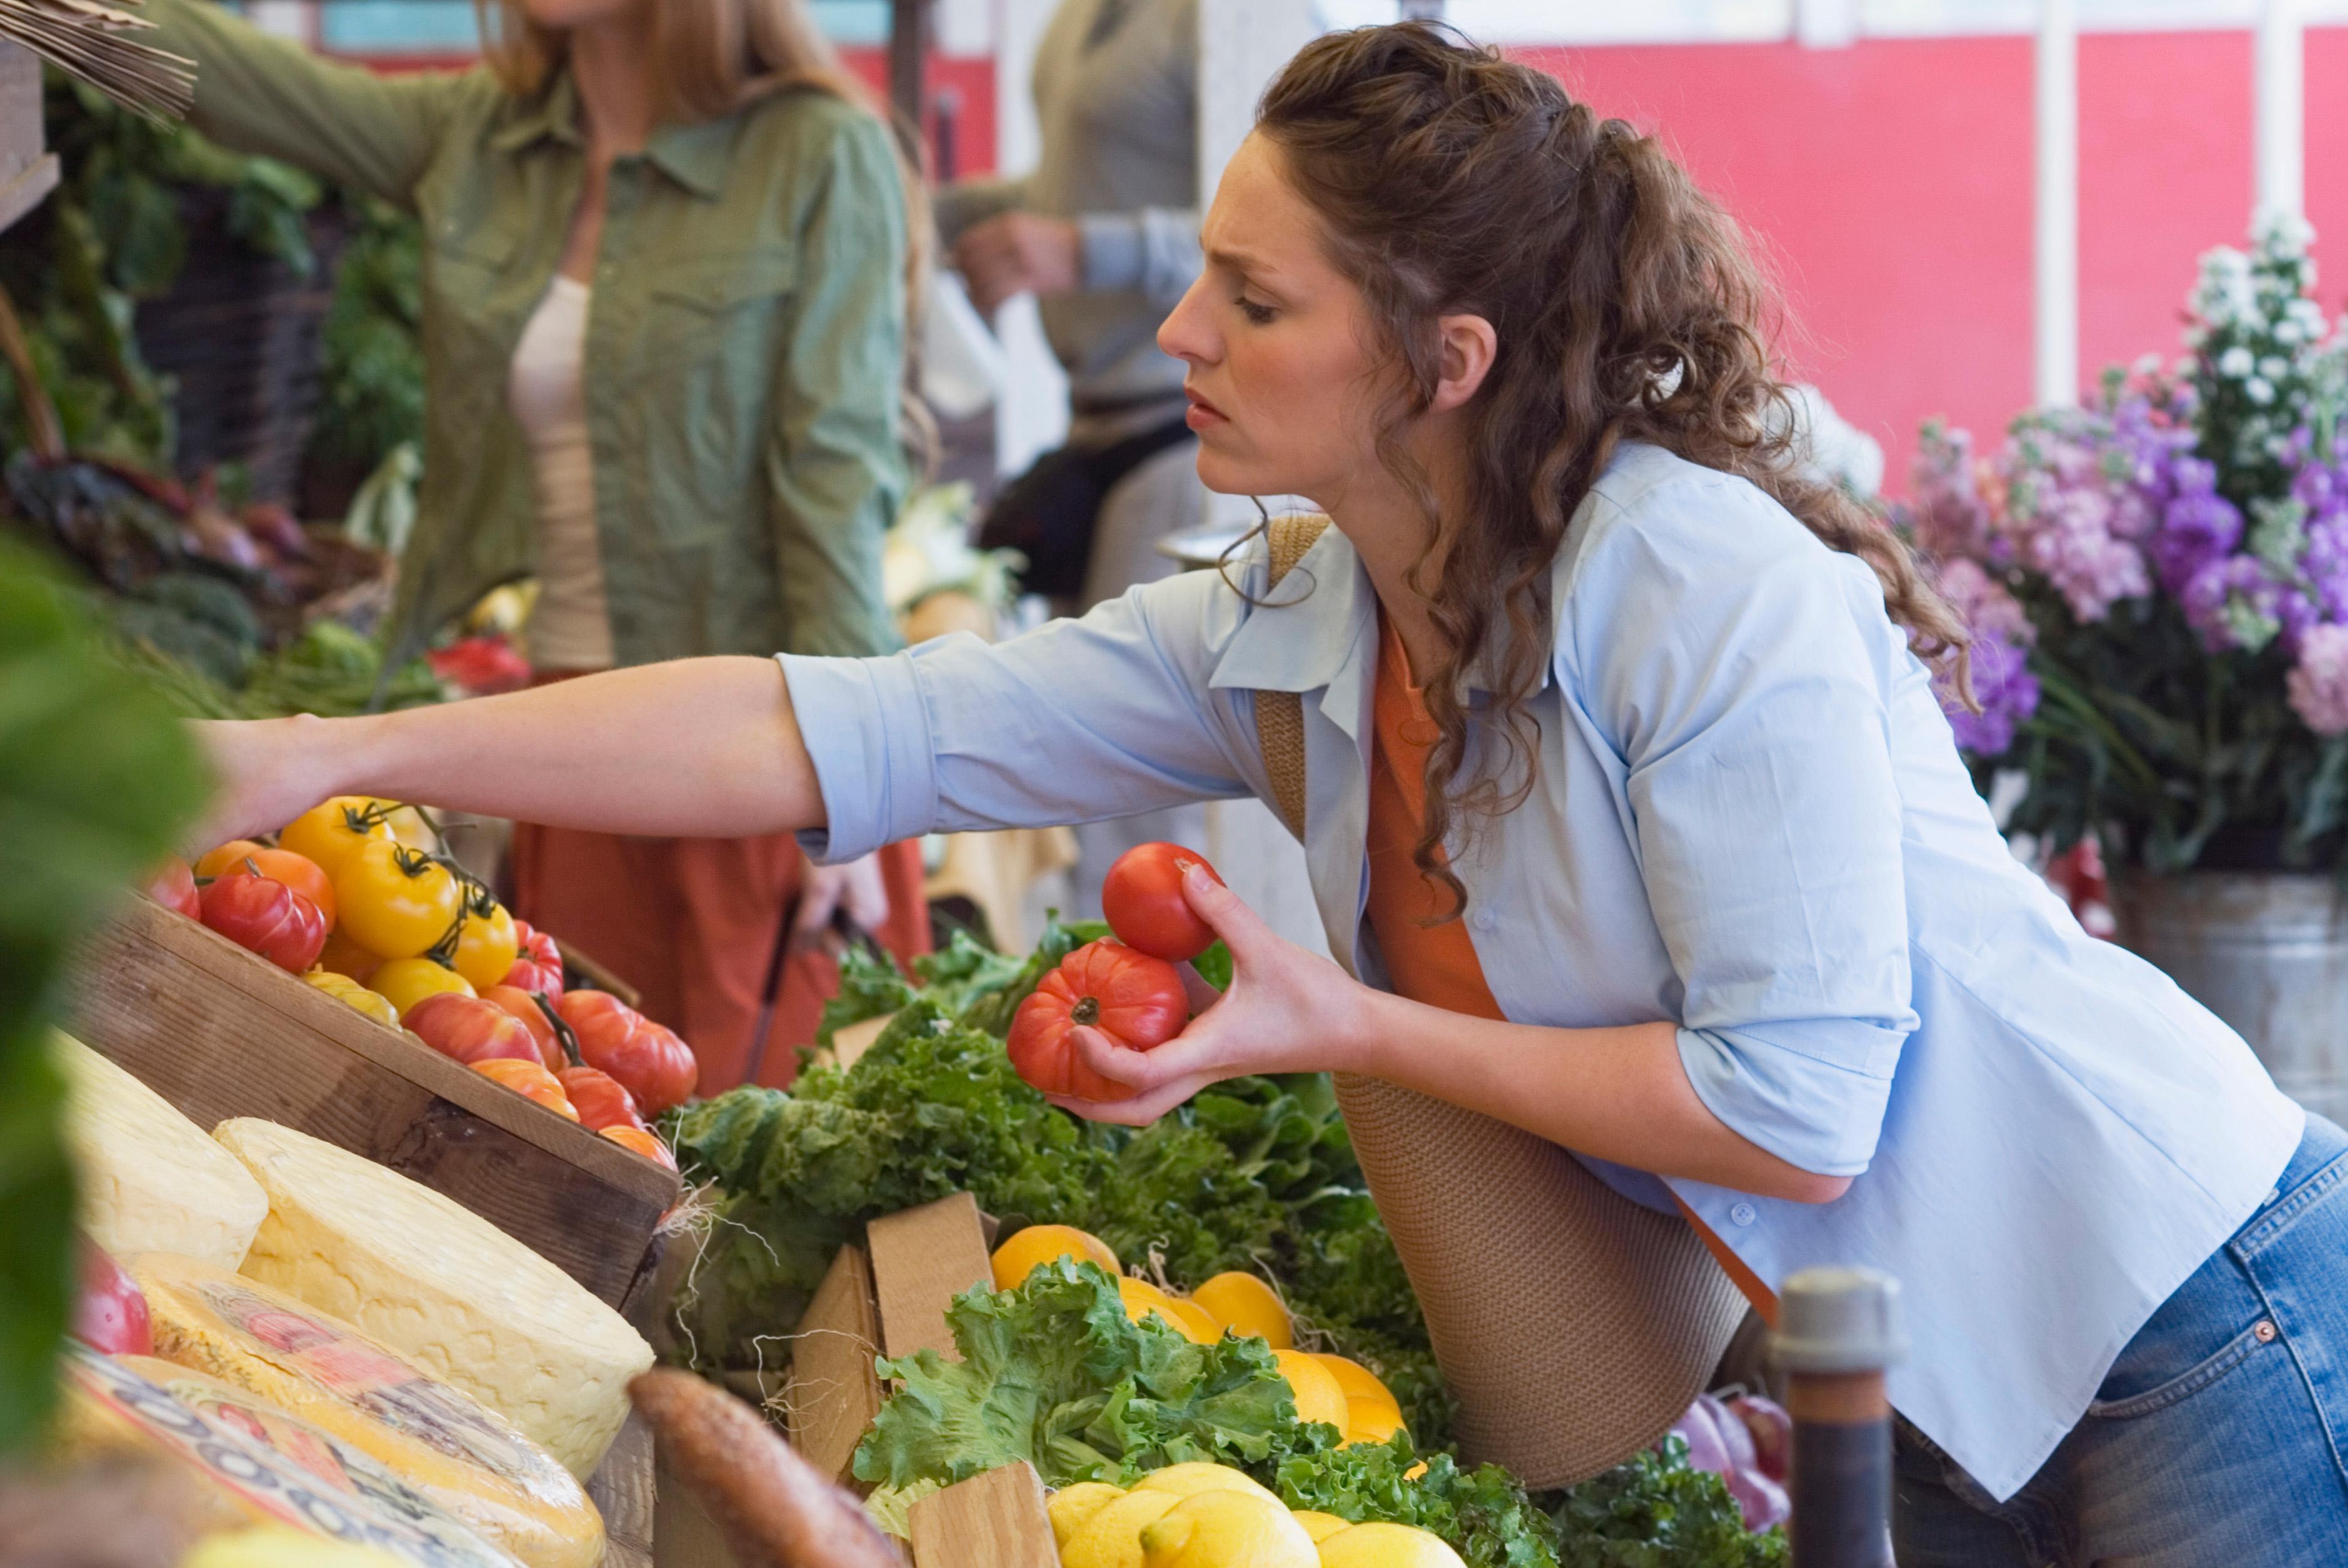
x: 993, y: 1521
x: 922, y: 1259
x: 833, y: 1393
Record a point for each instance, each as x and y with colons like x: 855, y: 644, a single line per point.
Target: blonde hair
x: 712, y: 58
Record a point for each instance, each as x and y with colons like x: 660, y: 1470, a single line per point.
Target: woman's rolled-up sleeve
x: 1078, y: 721
x: 1738, y: 669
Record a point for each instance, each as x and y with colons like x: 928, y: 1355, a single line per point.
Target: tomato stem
x: 564, y: 1035
x: 1087, y: 1011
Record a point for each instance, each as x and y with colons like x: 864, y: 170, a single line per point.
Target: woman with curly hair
x: 1669, y: 928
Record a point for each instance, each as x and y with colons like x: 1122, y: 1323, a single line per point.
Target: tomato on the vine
x: 397, y: 901
x: 648, y: 1058
x: 298, y: 872
x: 173, y: 885
x: 1135, y: 1000
x: 1141, y: 898
x: 602, y: 1100
x: 404, y: 982
x: 329, y: 831
x: 263, y: 915
x: 529, y: 1080
x: 486, y: 943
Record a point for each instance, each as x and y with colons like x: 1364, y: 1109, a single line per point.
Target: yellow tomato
x: 396, y: 901
x: 487, y: 946
x: 404, y: 982
x: 330, y: 831
x: 357, y: 997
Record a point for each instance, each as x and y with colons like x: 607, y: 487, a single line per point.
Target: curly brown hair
x: 1449, y: 180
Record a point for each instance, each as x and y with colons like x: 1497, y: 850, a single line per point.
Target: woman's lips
x: 1201, y: 413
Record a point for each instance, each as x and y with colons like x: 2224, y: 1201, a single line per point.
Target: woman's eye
x: 1260, y: 314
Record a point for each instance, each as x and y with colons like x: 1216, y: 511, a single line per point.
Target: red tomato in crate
x: 296, y: 871
x: 538, y: 966
x: 1141, y: 898
x: 651, y: 1063
x: 110, y: 1312
x: 531, y: 1080
x: 173, y: 885
x: 524, y: 1006
x: 1135, y: 1000
x: 471, y: 1030
x: 641, y: 1141
x: 215, y: 861
x: 601, y: 1100
x: 263, y: 915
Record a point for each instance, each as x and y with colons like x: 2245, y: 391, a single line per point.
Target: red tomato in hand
x: 1141, y: 898
x: 599, y: 1098
x: 648, y: 1058
x: 524, y: 1006
x: 173, y: 885
x: 468, y: 1029
x: 110, y: 1312
x: 1135, y: 1000
x: 265, y: 916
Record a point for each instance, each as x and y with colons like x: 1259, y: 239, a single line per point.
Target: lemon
x: 1226, y: 1530
x: 1246, y: 1306
x: 1024, y: 1251
x: 1320, y: 1526
x: 1141, y: 1298
x: 1072, y: 1506
x: 1387, y: 1546
x: 1319, y: 1396
x: 1111, y: 1538
x: 1192, y: 1479
x: 1203, y: 1328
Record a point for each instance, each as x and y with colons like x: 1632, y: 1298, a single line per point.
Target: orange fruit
x: 1371, y: 1425
x: 1200, y: 1324
x: 1142, y: 1299
x: 1247, y: 1306
x: 1024, y: 1251
x: 1318, y: 1397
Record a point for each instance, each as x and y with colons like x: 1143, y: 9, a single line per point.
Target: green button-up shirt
x: 745, y: 345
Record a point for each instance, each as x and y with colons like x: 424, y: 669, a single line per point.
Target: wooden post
x: 1838, y: 1333
x: 2056, y: 298
x: 910, y: 25
x: 2278, y: 105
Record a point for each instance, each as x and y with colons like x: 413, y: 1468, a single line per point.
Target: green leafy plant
x: 371, y: 347
x: 96, y: 778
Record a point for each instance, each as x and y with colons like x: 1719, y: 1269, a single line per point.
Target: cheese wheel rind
x: 149, y: 1178
x: 442, y: 1287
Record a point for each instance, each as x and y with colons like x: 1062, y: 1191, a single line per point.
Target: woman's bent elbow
x: 1809, y: 1187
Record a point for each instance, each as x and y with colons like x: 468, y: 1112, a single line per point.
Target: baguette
x: 775, y: 1510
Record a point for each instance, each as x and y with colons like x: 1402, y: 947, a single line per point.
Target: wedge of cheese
x: 426, y: 1532
x: 151, y: 1180
x: 442, y: 1287
x: 228, y: 1447
x: 467, y: 1459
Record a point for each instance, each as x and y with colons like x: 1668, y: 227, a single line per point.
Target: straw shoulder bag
x: 1573, y: 1326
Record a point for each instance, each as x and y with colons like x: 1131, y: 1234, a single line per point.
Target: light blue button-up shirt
x: 1749, y: 818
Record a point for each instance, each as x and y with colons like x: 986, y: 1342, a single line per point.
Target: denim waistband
x: 2323, y: 1142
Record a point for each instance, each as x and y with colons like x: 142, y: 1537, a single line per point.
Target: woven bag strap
x: 1280, y: 715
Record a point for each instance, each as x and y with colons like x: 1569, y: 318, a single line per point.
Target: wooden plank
x: 623, y: 1491
x: 221, y: 1032
x: 996, y: 1520
x: 922, y: 1259
x: 833, y: 1393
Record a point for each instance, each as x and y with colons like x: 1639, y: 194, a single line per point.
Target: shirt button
x: 2266, y: 1332
x: 2273, y: 1194
x: 1744, y: 1214
x: 1486, y: 919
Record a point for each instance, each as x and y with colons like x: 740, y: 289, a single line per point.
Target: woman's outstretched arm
x: 698, y: 747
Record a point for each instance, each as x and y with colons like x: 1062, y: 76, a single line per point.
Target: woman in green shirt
x: 665, y: 279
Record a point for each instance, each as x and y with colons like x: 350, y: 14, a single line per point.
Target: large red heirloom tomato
x: 1141, y: 898
x: 267, y: 917
x: 468, y: 1029
x: 656, y: 1068
x: 1135, y: 1000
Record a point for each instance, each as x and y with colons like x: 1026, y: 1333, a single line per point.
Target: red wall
x: 1890, y: 184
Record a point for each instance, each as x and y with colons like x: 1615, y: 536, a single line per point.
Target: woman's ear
x: 1469, y: 347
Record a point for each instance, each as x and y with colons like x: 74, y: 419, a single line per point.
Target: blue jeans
x: 2215, y: 1442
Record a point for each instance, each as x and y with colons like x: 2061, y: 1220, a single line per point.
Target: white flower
x: 2274, y: 367
x: 2287, y: 332
x: 2259, y: 389
x: 2146, y: 364
x: 2237, y: 362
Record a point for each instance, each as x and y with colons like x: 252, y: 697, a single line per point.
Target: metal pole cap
x: 1838, y: 1320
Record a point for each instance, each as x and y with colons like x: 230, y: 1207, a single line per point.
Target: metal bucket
x: 2265, y: 950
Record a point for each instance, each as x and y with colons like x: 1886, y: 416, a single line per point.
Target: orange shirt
x: 1433, y: 964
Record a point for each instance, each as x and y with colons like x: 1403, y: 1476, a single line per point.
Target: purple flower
x: 1998, y: 664
x: 2318, y: 683
x: 2198, y: 526
x: 2234, y: 603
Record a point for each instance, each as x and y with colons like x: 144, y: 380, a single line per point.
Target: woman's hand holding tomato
x: 1287, y: 1010
x: 1141, y: 898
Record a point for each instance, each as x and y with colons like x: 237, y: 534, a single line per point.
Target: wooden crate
x: 28, y: 172
x: 221, y: 1032
x: 622, y: 1490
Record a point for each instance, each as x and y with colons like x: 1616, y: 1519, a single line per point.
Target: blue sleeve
x: 1078, y: 721
x: 1740, y: 670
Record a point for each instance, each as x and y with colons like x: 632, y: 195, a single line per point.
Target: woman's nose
x: 1185, y: 333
